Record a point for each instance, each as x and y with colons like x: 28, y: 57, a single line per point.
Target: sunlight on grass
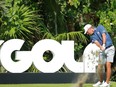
x: 113, y: 84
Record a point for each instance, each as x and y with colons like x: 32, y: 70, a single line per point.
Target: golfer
x: 102, y: 39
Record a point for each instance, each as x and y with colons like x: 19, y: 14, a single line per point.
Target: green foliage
x: 17, y: 22
x: 74, y: 3
x: 3, y: 8
x: 113, y: 78
x: 76, y: 36
x: 20, y: 21
x: 33, y: 20
x: 33, y: 69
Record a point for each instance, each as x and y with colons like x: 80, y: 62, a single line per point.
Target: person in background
x: 102, y: 39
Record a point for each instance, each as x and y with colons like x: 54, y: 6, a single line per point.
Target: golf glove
x: 104, y: 46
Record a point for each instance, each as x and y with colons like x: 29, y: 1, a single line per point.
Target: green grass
x: 113, y: 84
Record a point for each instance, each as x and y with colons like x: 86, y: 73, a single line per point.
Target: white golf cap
x: 86, y: 27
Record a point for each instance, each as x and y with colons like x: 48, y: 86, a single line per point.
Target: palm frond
x: 76, y: 36
x: 18, y: 19
x: 48, y: 35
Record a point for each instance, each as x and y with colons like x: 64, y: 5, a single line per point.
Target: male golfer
x: 102, y: 39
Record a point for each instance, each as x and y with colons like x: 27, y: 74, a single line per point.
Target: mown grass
x: 113, y: 84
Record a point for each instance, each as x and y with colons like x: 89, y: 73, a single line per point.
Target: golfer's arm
x: 98, y: 44
x: 104, y: 38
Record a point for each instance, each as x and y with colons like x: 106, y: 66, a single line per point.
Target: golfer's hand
x: 103, y: 47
